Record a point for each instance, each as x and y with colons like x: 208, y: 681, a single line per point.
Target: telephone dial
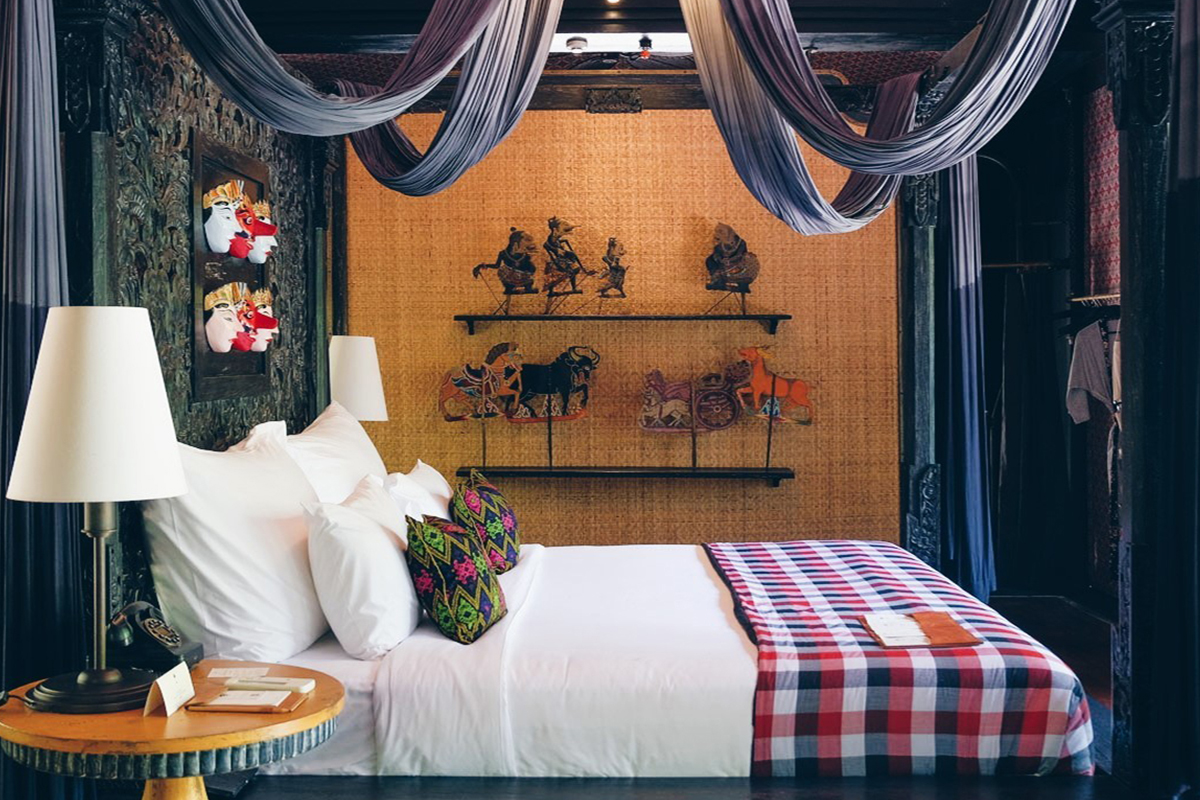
x: 140, y: 637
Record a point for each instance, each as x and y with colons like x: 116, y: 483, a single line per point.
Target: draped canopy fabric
x: 223, y: 41
x: 757, y: 80
x: 497, y: 81
x: 503, y: 45
x: 1014, y: 45
x: 764, y: 149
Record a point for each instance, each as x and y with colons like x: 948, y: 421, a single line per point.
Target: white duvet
x: 611, y: 661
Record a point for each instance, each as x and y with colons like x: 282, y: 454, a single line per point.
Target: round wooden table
x: 170, y: 753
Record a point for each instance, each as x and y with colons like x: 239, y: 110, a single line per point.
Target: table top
x: 130, y: 733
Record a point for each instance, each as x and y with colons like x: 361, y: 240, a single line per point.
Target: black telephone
x: 140, y: 637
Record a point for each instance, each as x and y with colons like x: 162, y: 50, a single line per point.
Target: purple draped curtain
x: 221, y: 38
x: 962, y: 448
x: 1014, y: 45
x: 502, y: 45
x: 497, y: 81
x: 41, y: 587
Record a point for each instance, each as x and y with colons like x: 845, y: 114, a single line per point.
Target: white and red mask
x: 265, y: 327
x: 263, y: 234
x: 221, y: 227
x: 223, y: 327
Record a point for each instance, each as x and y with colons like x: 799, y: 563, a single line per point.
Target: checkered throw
x: 830, y: 701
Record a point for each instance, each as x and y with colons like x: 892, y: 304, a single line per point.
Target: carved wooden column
x: 88, y: 33
x: 1138, y: 43
x: 920, y: 475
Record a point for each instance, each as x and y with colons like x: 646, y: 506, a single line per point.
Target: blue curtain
x: 961, y: 425
x: 42, y: 624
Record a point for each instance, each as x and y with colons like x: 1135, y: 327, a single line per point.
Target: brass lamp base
x: 93, y: 691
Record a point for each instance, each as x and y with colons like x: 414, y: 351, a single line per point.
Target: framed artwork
x: 233, y: 239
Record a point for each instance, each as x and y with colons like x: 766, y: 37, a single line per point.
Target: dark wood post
x: 1138, y: 44
x: 920, y: 475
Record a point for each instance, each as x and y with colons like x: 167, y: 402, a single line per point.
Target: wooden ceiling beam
x: 359, y: 26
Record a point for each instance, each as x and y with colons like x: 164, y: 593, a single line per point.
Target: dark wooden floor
x: 1076, y: 635
x: 1054, y: 788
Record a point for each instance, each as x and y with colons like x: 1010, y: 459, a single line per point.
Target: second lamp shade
x: 354, y: 379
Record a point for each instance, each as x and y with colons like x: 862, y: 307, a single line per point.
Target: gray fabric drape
x: 757, y: 79
x: 1015, y: 44
x: 221, y: 38
x: 503, y: 45
x: 497, y: 81
x: 763, y: 148
x: 962, y: 425
x: 41, y: 586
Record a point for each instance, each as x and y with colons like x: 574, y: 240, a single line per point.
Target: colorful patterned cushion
x: 479, y: 506
x: 454, y: 582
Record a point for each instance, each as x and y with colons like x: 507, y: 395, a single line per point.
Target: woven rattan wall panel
x: 659, y: 181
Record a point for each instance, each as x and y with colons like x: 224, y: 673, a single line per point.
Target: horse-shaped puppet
x: 785, y: 393
x: 487, y: 390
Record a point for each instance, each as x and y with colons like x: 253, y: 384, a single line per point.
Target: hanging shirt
x: 1090, y: 374
x: 1096, y: 371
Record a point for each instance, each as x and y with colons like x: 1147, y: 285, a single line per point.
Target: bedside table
x: 170, y: 753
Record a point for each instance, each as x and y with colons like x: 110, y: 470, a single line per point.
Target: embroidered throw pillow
x: 454, y: 582
x: 481, y: 507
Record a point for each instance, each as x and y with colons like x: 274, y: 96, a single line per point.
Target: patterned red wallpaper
x: 1102, y: 179
x: 1103, y: 186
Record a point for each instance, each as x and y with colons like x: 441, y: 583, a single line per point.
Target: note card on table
x: 170, y: 691
x: 238, y: 672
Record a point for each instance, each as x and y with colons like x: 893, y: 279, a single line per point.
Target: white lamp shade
x: 354, y: 379
x: 98, y: 427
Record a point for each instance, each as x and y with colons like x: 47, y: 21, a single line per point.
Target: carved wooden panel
x: 127, y: 76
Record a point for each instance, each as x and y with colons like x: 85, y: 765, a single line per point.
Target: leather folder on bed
x: 937, y: 629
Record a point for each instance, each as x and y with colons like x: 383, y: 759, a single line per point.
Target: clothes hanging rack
x: 1026, y: 266
x: 1088, y: 309
x: 1098, y: 300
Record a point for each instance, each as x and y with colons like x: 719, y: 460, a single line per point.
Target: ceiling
x: 853, y: 68
x: 388, y: 26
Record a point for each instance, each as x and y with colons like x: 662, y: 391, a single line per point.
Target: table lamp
x: 97, y: 431
x: 354, y: 379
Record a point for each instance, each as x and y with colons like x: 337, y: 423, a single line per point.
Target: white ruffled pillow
x: 421, y: 491
x: 334, y: 452
x: 355, y: 549
x: 230, y: 557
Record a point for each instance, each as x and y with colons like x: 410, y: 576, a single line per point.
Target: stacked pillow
x: 334, y: 452
x: 230, y: 557
x: 283, y: 537
x: 457, y: 587
x: 420, y: 492
x: 357, y: 552
x: 481, y: 507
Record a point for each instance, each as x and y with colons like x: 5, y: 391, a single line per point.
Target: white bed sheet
x: 351, y: 750
x: 612, y: 661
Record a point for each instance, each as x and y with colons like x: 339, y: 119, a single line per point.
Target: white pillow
x: 432, y: 481
x: 230, y: 557
x: 412, y: 496
x: 359, y: 571
x: 334, y: 452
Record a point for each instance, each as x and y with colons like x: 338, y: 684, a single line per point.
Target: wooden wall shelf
x: 769, y: 321
x: 772, y: 475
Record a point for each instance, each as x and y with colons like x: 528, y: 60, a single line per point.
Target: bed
x: 725, y: 660
x: 641, y: 661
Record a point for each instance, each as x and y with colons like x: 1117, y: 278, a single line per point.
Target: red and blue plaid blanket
x: 830, y: 701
